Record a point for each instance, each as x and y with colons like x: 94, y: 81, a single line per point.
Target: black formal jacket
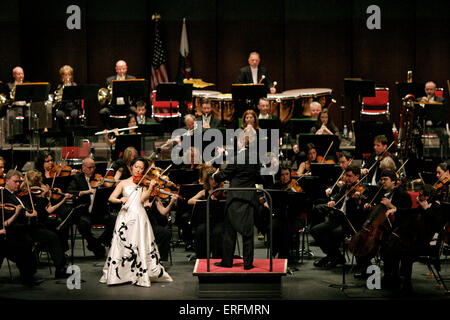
x: 400, y: 198
x: 370, y: 161
x: 78, y: 184
x: 353, y: 210
x: 109, y: 80
x: 245, y: 76
x: 213, y: 123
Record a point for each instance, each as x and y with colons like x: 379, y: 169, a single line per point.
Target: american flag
x: 159, y: 68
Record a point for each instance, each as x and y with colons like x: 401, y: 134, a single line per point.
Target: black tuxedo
x: 245, y: 76
x: 240, y: 207
x: 81, y: 215
x: 109, y: 80
x: 213, y: 122
x: 107, y: 110
x: 330, y: 233
x: 375, y: 170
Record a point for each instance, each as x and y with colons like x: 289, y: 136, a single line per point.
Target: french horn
x: 104, y: 95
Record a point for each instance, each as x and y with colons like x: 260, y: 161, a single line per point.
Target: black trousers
x: 21, y: 253
x: 162, y: 238
x: 49, y: 240
x: 329, y: 235
x: 230, y: 233
x: 216, y: 240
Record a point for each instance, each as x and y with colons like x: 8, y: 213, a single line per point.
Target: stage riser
x: 239, y: 290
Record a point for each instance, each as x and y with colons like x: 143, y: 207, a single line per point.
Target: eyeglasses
x: 51, y: 160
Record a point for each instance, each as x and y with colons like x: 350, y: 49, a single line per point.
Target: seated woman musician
x: 209, y: 185
x: 324, y: 124
x: 121, y: 167
x: 45, y: 164
x: 65, y: 108
x: 442, y: 185
x: 39, y: 226
x: 158, y: 214
x: 250, y: 120
x: 305, y: 167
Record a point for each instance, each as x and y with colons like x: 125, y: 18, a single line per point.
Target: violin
x: 321, y: 159
x: 440, y: 183
x: 35, y: 190
x: 57, y: 194
x: 8, y: 207
x: 293, y: 186
x: 96, y: 181
x: 163, y: 193
x: 60, y: 171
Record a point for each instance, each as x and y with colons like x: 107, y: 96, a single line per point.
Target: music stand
x: 327, y: 172
x: 246, y: 95
x: 129, y: 140
x: 83, y: 92
x: 33, y: 92
x: 199, y: 211
x: 358, y: 88
x: 321, y: 142
x: 366, y: 131
x: 414, y: 88
x: 130, y: 88
x: 172, y: 91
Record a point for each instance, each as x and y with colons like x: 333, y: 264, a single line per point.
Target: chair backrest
x: 413, y: 195
x: 163, y: 106
x: 381, y: 99
x: 440, y: 92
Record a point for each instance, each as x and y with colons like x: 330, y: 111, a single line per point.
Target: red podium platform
x: 236, y: 282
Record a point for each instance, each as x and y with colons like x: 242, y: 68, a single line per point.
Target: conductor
x: 241, y: 205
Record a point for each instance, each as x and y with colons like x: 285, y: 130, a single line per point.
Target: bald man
x: 430, y: 91
x: 121, y: 105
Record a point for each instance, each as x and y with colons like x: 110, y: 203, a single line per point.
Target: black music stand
x: 86, y: 92
x: 417, y: 89
x: 172, y: 91
x: 129, y: 140
x: 246, y: 96
x: 33, y: 92
x: 366, y: 131
x: 199, y: 212
x: 321, y: 142
x: 327, y: 172
x: 131, y: 88
x: 358, y: 88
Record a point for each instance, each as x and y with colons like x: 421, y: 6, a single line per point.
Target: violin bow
x: 3, y: 209
x: 31, y: 198
x: 343, y: 171
x: 379, y: 159
x: 348, y: 192
x: 59, y: 172
x: 326, y: 153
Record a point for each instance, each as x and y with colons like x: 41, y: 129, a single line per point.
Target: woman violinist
x: 442, y: 185
x: 45, y: 164
x: 40, y: 227
x: 305, y: 167
x: 209, y: 185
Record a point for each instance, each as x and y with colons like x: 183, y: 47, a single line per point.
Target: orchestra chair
x: 413, y: 195
x: 439, y: 92
x: 164, y: 109
x: 432, y: 260
x: 77, y: 153
x: 38, y: 249
x: 378, y: 105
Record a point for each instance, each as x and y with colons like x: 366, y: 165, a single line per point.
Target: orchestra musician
x: 390, y: 194
x: 121, y: 166
x: 416, y: 229
x: 324, y: 124
x: 141, y: 113
x: 158, y: 215
x: 264, y: 109
x: 380, y: 145
x: 316, y: 109
x: 45, y: 163
x: 305, y: 166
x: 430, y: 91
x: 15, y: 238
x: 442, y: 185
x: 344, y: 159
x: 65, y: 108
x: 209, y: 185
x: 39, y: 225
x: 17, y: 107
x: 80, y: 185
x: 253, y: 73
x: 121, y: 74
x: 207, y: 119
x: 330, y: 233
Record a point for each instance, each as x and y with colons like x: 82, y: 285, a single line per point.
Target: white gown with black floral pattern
x: 133, y: 255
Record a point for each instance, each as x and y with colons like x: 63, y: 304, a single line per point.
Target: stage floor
x: 306, y: 283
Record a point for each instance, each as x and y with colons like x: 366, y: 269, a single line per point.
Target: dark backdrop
x: 303, y: 43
